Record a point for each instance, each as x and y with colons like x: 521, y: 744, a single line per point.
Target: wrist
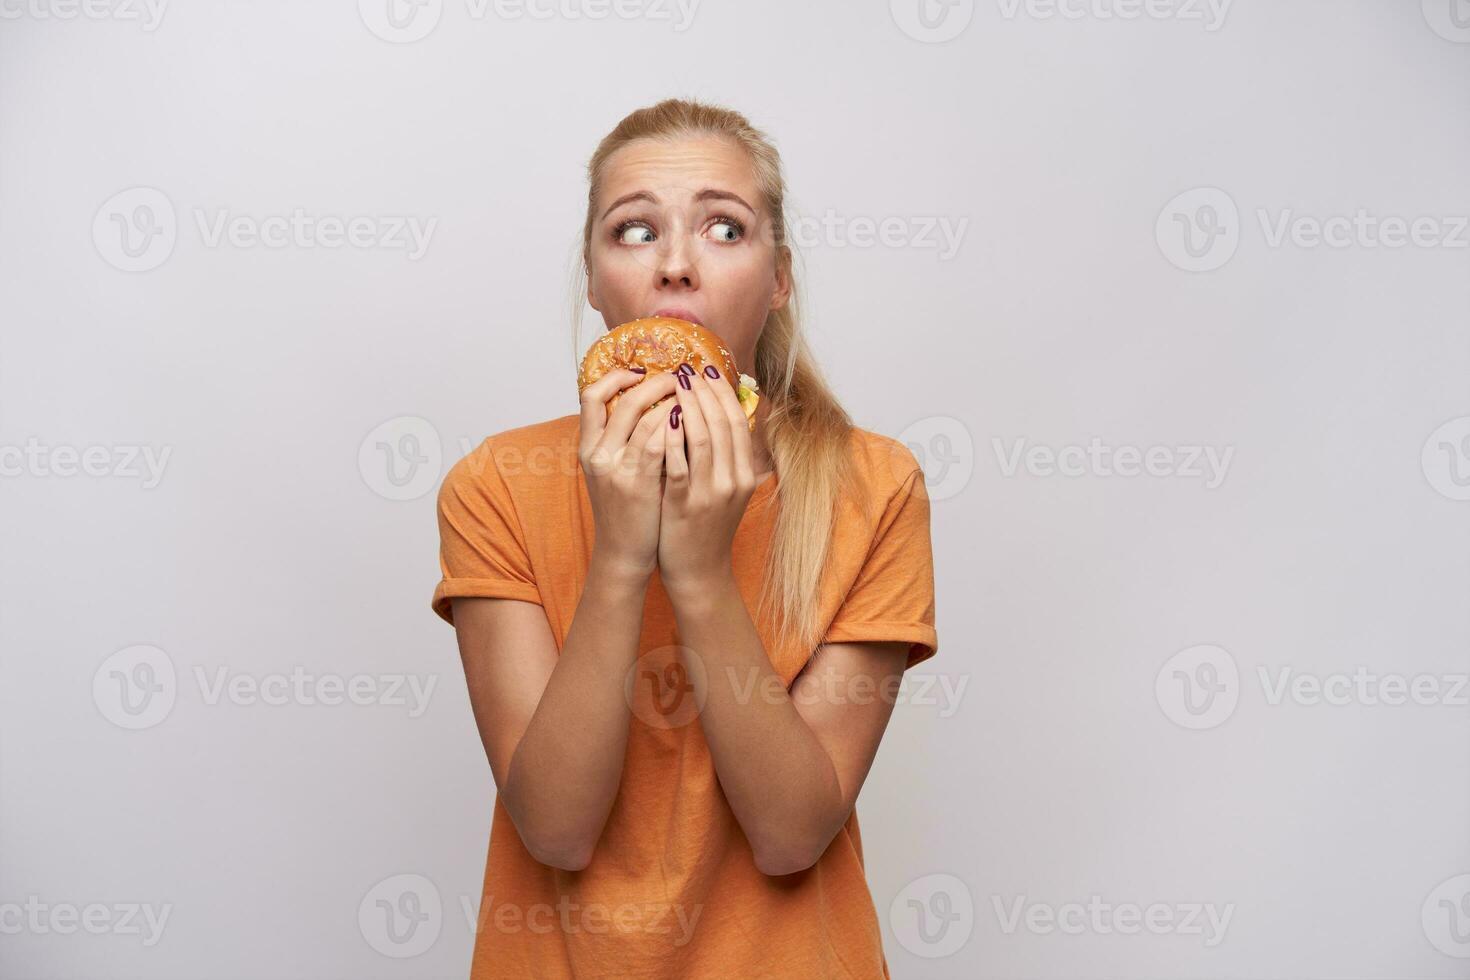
x: 618, y: 571
x: 702, y: 587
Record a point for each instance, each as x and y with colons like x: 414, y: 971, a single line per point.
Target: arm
x: 555, y: 728
x: 791, y: 773
x: 790, y: 763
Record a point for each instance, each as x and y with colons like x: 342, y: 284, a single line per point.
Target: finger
x: 676, y: 463
x: 594, y: 399
x: 630, y: 408
x: 722, y: 467
x: 734, y: 415
x: 646, y: 446
x: 696, y: 432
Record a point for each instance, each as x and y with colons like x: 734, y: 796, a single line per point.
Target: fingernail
x: 685, y: 368
x: 674, y: 417
x: 639, y: 370
x: 684, y: 381
x: 711, y: 371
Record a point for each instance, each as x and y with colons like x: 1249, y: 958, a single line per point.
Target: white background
x: 1056, y: 769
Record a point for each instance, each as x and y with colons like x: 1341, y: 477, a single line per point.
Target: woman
x: 676, y: 774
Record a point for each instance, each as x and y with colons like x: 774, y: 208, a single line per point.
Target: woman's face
x: 681, y: 227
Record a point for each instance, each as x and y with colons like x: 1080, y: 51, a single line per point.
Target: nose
x: 676, y: 265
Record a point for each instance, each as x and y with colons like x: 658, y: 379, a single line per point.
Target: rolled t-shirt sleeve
x: 893, y: 595
x: 482, y: 547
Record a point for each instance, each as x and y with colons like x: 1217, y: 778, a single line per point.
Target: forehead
x: 678, y: 169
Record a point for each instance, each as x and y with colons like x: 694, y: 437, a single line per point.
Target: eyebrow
x: 708, y: 194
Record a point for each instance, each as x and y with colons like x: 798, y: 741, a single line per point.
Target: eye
x: 621, y: 236
x: 732, y: 229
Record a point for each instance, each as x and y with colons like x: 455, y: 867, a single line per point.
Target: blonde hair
x: 807, y: 431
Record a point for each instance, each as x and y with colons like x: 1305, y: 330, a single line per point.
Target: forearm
x: 780, y: 781
x: 565, y: 771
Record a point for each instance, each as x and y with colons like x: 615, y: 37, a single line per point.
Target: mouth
x: 679, y: 314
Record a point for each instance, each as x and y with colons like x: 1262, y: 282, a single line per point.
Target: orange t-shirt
x: 672, y: 890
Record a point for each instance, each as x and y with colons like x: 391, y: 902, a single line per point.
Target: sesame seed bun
x: 662, y: 343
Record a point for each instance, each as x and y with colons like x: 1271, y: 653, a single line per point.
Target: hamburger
x: 662, y: 343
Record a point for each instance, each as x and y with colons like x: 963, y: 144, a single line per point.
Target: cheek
x: 748, y: 269
x: 612, y: 272
x: 750, y: 286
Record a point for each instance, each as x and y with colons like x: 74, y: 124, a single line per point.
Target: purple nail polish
x: 684, y: 381
x: 638, y: 370
x: 711, y: 371
x: 685, y: 368
x: 674, y: 417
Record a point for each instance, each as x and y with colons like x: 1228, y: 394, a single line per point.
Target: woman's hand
x: 708, y: 480
x: 622, y: 457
